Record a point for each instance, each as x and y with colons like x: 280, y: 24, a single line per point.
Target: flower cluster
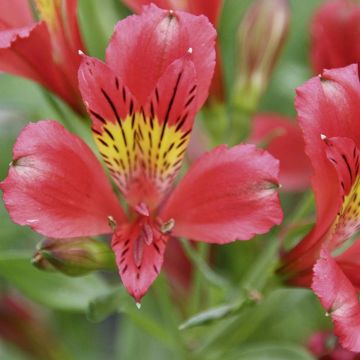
x: 121, y: 196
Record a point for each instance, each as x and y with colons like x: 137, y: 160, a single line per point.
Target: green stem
x: 303, y: 208
x: 209, y: 275
x: 169, y: 314
x: 56, y: 108
x: 254, y: 279
x: 197, y: 281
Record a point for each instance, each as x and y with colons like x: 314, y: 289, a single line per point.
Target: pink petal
x: 349, y: 261
x: 228, y: 194
x: 139, y: 257
x: 143, y: 147
x: 143, y: 46
x: 18, y: 54
x: 28, y: 52
x: 334, y: 35
x: 328, y: 106
x: 56, y: 185
x: 285, y: 142
x: 338, y: 296
x: 15, y: 13
x: 70, y: 21
x: 210, y: 8
x: 137, y: 5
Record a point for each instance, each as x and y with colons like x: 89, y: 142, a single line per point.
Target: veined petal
x: 227, y: 194
x: 56, y: 185
x: 139, y: 249
x: 339, y: 297
x: 345, y: 156
x: 327, y: 105
x: 143, y: 146
x: 158, y: 38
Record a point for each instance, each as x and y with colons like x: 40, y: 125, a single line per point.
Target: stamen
x: 148, y: 234
x: 168, y: 226
x: 112, y: 223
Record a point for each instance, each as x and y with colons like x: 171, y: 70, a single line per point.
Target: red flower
x: 328, y: 111
x: 209, y: 8
x: 335, y: 34
x: 45, y: 51
x: 283, y: 140
x: 142, y: 103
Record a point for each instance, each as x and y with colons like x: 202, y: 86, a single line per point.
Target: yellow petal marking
x: 347, y: 222
x: 143, y: 157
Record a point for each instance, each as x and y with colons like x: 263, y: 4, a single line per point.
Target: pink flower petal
x: 15, y: 13
x: 139, y: 249
x: 142, y: 144
x: 327, y: 106
x: 339, y: 297
x: 286, y: 143
x: 227, y: 194
x: 143, y: 46
x: 334, y: 35
x: 56, y: 185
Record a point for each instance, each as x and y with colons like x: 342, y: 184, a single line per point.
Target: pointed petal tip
x: 323, y: 137
x: 138, y: 305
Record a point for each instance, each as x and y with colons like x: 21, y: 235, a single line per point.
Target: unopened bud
x: 73, y: 257
x: 261, y: 36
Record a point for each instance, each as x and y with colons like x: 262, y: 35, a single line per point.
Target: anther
x: 112, y: 222
x: 168, y: 226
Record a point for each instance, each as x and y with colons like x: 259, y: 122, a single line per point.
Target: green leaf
x: 104, y: 305
x: 270, y: 351
x: 52, y: 290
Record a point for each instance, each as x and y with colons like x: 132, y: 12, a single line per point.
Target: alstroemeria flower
x: 283, y: 139
x: 212, y: 10
x: 328, y: 111
x: 44, y: 51
x: 335, y: 34
x: 142, y: 102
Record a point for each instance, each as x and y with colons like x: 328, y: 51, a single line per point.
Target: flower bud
x: 73, y: 257
x: 261, y: 36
